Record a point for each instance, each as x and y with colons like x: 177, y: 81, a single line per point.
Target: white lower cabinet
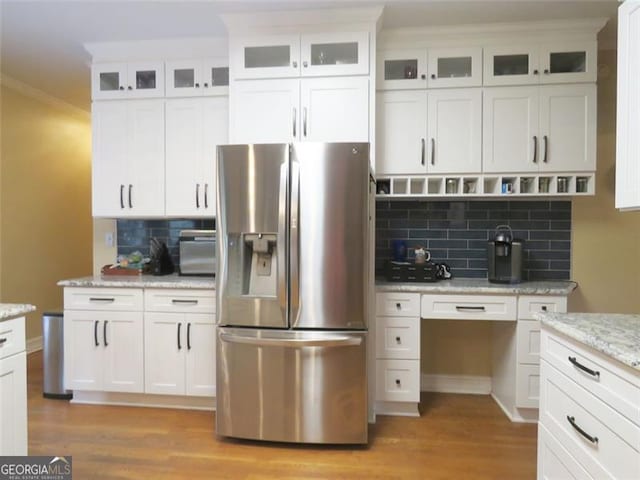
x: 585, y: 417
x: 13, y: 388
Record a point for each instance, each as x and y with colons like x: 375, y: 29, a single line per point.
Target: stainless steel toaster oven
x: 197, y: 252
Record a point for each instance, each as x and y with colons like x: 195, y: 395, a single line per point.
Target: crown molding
x: 161, y: 49
x: 32, y: 92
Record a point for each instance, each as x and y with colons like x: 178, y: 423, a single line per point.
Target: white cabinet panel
x: 197, y: 77
x: 528, y: 305
x: 569, y: 62
x: 200, y: 367
x: 13, y: 404
x: 528, y: 345
x: 398, y: 304
x: 398, y: 337
x: 468, y: 307
x: 123, y: 358
x: 527, y: 386
x: 179, y: 300
x: 554, y: 462
x: 511, y: 65
x: 127, y: 80
x: 401, y: 132
x: 164, y: 342
x: 340, y: 53
x: 455, y: 131
x: 398, y: 380
x: 454, y: 67
x: 267, y: 56
x: 335, y: 110
x: 402, y: 69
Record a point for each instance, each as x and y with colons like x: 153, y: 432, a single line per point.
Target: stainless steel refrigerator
x: 292, y: 289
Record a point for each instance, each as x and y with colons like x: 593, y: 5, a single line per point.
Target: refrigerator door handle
x: 341, y: 341
x: 282, y: 235
x: 294, y: 244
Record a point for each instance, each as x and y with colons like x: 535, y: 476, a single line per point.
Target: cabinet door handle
x: 206, y: 85
x: 179, y: 301
x: 433, y: 76
x: 433, y: 151
x: 130, y: 189
x: 398, y: 340
x: 121, y: 87
x: 179, y: 344
x: 188, y: 336
x: 104, y: 332
x: 398, y: 382
x: 295, y: 114
x: 544, y: 308
x: 546, y: 71
x: 535, y: 149
x: 197, y: 85
x: 95, y: 333
x: 572, y: 421
x: 423, y: 148
x: 294, y: 64
x: 121, y: 196
x: 305, y: 64
x: 304, y: 124
x: 129, y: 87
x: 546, y: 141
x: 3, y: 341
x: 593, y: 373
x: 398, y: 306
x: 197, y: 195
x: 104, y: 299
x: 535, y: 72
x: 206, y: 195
x: 468, y: 308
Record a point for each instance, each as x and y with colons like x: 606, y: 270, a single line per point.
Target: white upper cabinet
x: 454, y: 67
x: 194, y: 129
x: 628, y: 114
x: 437, y: 131
x: 196, y: 78
x: 402, y: 69
x: 127, y: 80
x: 277, y: 56
x: 539, y: 129
x: 559, y: 62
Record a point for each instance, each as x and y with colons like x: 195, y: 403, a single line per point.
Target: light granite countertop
x: 614, y: 334
x: 141, y: 281
x: 477, y: 285
x: 12, y: 310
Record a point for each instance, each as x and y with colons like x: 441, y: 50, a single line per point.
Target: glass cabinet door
x: 215, y: 75
x: 335, y: 54
x: 266, y: 57
x: 569, y: 62
x: 402, y: 69
x: 454, y: 67
x: 145, y: 79
x: 183, y: 78
x: 108, y: 81
x: 517, y: 65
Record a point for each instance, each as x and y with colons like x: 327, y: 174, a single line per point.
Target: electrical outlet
x: 108, y: 239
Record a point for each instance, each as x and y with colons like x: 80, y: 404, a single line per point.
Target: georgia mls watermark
x: 35, y: 468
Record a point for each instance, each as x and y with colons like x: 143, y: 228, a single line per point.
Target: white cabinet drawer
x: 611, y: 384
x: 527, y: 386
x: 398, y: 337
x: 398, y: 304
x: 398, y: 380
x: 469, y: 307
x: 180, y: 300
x: 530, y: 304
x: 528, y: 341
x: 12, y: 337
x: 554, y: 462
x: 604, y: 442
x: 110, y: 299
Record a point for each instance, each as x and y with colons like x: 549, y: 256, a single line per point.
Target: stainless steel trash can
x: 53, y: 356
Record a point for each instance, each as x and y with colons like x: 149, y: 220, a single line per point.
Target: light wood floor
x: 457, y: 437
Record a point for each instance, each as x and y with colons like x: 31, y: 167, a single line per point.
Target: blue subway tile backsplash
x: 136, y: 234
x: 456, y: 232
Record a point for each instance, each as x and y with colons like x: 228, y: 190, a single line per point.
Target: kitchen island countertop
x: 613, y: 334
x: 12, y: 310
x: 478, y: 285
x: 141, y: 281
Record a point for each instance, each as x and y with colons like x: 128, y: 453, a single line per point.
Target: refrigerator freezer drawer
x: 291, y: 386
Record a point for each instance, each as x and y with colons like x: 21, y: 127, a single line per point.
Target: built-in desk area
x: 515, y: 337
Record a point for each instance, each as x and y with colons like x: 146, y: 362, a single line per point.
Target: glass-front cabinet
x: 195, y: 78
x: 277, y: 56
x: 127, y: 80
x: 402, y: 69
x: 568, y: 62
x: 454, y: 67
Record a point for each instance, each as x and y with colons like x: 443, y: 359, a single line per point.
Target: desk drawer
x: 469, y: 307
x: 105, y: 299
x: 398, y: 337
x: 398, y: 380
x: 530, y: 304
x: 398, y: 304
x: 180, y: 301
x: 611, y: 384
x: 604, y: 442
x: 528, y: 332
x: 12, y: 337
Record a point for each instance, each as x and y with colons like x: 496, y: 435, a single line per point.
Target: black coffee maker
x: 504, y: 254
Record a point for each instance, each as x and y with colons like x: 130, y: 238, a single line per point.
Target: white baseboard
x: 518, y: 415
x: 34, y: 344
x: 472, y: 384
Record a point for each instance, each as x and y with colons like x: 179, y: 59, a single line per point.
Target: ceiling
x: 42, y: 41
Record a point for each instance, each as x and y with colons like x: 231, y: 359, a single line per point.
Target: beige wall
x: 45, y: 200
x: 605, y: 256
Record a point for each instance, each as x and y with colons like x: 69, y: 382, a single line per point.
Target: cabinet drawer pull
x: 95, y: 333
x: 104, y: 333
x: 197, y: 195
x: 398, y: 382
x: 398, y: 340
x: 206, y: 195
x: 465, y: 308
x: 177, y: 301
x: 121, y: 195
x: 544, y: 308
x: 593, y: 373
x: 3, y: 340
x: 104, y: 300
x: 179, y: 344
x: 398, y: 306
x: 573, y: 423
x: 130, y: 202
